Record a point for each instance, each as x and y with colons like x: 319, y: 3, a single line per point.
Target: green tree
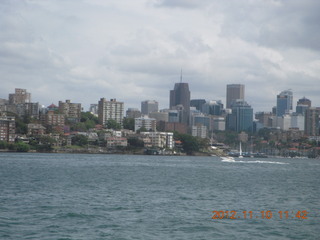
x: 112, y: 124
x: 128, y: 123
x: 22, y: 147
x: 3, y: 145
x: 79, y: 140
x: 135, y: 142
x: 190, y: 144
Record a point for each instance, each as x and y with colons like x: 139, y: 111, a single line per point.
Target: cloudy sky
x: 133, y: 50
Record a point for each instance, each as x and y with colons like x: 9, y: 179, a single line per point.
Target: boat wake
x: 231, y: 159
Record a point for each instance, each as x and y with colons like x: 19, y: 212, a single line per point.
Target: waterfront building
x: 234, y: 92
x: 110, y: 110
x: 149, y: 106
x: 7, y: 128
x: 284, y: 103
x: 159, y: 139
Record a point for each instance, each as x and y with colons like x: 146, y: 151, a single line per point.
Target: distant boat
x: 240, y: 151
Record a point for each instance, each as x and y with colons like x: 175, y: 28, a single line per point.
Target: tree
x: 112, y: 124
x: 190, y: 144
x: 3, y: 145
x: 22, y: 147
x: 128, y: 123
x: 135, y: 142
x: 80, y: 140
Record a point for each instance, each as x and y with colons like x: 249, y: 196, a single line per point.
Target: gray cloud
x: 133, y: 51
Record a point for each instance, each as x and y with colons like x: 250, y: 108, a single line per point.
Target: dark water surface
x: 61, y: 196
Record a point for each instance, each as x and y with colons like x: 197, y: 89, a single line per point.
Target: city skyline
x: 85, y: 50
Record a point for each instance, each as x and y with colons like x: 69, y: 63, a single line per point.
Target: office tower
x: 133, y: 113
x: 234, y: 92
x: 149, y: 106
x: 197, y: 103
x: 284, y: 102
x: 72, y: 111
x: 264, y: 118
x: 20, y: 96
x: 213, y: 108
x: 180, y: 100
x: 302, y: 105
x: 312, y: 117
x: 241, y: 118
x: 304, y: 101
x: 110, y: 110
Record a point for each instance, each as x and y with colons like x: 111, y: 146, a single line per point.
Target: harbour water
x: 81, y: 196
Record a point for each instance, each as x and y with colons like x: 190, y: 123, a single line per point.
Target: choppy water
x: 59, y: 196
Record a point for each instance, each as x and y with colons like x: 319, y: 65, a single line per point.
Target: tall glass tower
x: 284, y: 102
x: 241, y: 118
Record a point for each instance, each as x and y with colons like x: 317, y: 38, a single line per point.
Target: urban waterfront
x: 97, y: 196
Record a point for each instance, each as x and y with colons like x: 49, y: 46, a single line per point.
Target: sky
x: 134, y: 50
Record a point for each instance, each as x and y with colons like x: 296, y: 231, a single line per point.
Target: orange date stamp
x: 260, y: 215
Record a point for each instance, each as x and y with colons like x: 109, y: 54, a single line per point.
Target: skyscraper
x: 234, y: 92
x: 180, y: 95
x: 241, y: 118
x: 149, y: 106
x: 284, y: 102
x: 180, y: 98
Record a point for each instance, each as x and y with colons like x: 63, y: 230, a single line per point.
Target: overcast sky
x: 133, y: 50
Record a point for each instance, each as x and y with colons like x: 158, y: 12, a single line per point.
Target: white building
x: 110, y: 110
x: 148, y: 123
x: 200, y: 131
x: 160, y: 139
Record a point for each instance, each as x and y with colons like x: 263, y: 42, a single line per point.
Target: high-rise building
x: 284, y: 102
x: 302, y: 105
x: 304, y: 101
x: 180, y: 99
x: 110, y: 110
x: 241, y: 118
x: 212, y: 108
x: 197, y: 103
x: 20, y: 96
x: 133, y: 113
x: 234, y: 92
x: 312, y: 118
x: 149, y: 106
x: 7, y: 128
x: 72, y: 111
